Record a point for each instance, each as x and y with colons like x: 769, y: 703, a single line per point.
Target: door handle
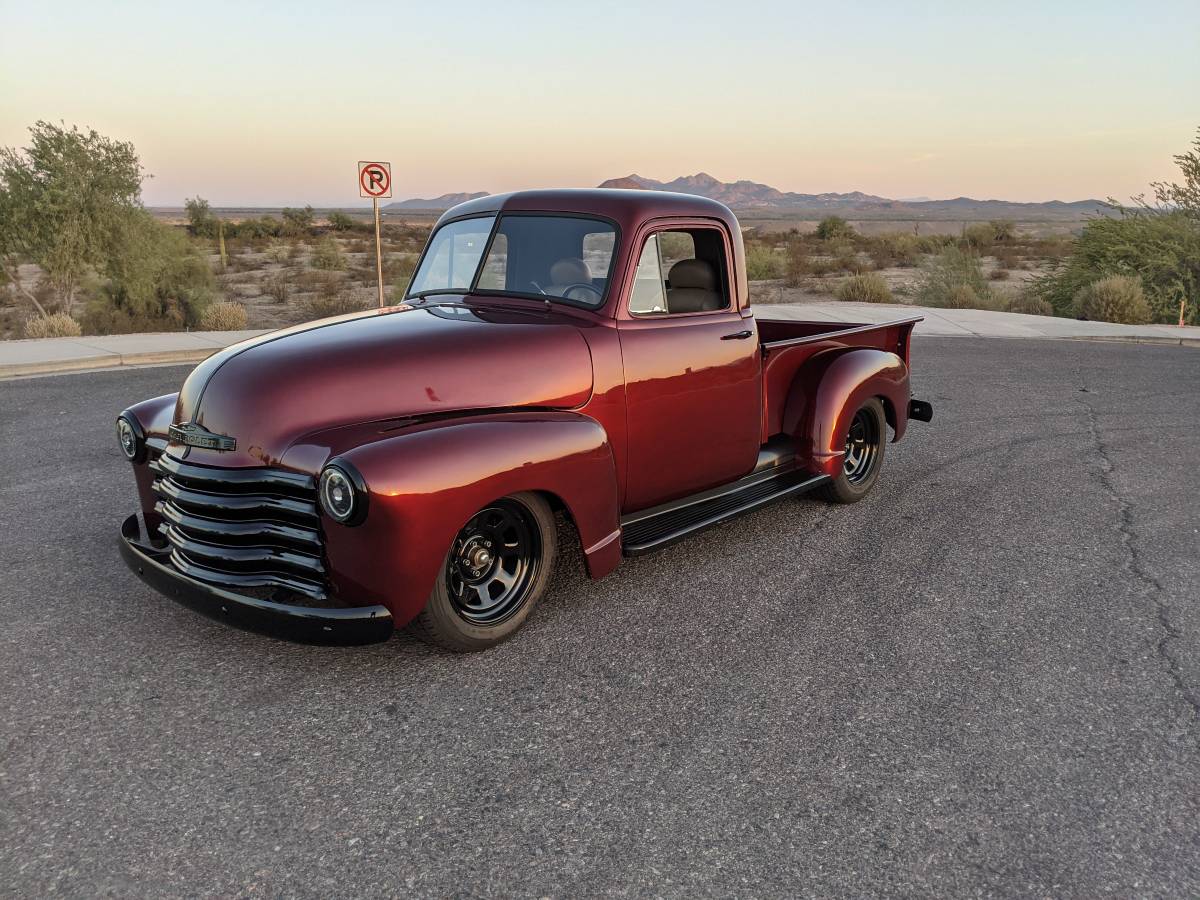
x: 737, y: 335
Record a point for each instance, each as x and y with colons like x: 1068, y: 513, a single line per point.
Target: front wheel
x: 497, y: 569
x: 866, y: 439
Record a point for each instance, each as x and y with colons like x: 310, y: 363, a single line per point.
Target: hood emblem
x: 193, y: 435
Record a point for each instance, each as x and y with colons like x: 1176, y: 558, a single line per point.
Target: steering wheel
x: 581, y: 286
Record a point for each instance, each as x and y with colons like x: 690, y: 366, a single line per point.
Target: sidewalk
x: 56, y: 355
x: 981, y: 323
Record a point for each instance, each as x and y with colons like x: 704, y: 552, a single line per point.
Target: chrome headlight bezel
x: 131, y: 438
x: 340, y: 476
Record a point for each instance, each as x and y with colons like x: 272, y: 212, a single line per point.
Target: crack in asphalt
x: 1135, y: 566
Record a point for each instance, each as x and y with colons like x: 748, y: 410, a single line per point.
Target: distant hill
x: 739, y: 194
x: 751, y: 196
x: 443, y: 202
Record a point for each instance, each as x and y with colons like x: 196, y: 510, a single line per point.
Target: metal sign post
x: 375, y: 181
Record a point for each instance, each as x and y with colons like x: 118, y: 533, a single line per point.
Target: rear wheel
x: 866, y: 439
x: 497, y: 569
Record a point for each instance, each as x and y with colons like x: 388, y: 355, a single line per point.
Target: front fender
x: 154, y: 416
x: 819, y: 419
x: 425, y: 482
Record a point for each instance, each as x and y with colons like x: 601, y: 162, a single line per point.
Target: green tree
x: 832, y: 228
x: 298, y: 221
x: 201, y: 221
x: 339, y: 221
x: 1157, y: 242
x: 1184, y: 198
x: 62, y: 201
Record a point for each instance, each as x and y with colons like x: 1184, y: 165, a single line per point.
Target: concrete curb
x: 100, y: 363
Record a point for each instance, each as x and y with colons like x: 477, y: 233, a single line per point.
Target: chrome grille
x: 247, y: 528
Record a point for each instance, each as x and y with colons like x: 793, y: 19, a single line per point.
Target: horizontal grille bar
x: 230, y: 480
x: 247, y: 531
x: 249, y: 559
x: 238, y: 579
x: 243, y: 505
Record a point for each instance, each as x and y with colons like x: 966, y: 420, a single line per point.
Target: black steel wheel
x: 496, y: 570
x: 862, y: 446
x: 492, y: 563
x: 866, y: 438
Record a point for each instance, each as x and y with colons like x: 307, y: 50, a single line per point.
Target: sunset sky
x: 254, y: 103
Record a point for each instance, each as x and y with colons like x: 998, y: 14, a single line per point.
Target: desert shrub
x: 797, y: 265
x: 763, y: 263
x: 959, y: 296
x: 985, y: 234
x: 1161, y: 249
x: 277, y: 287
x: 934, y: 243
x: 853, y: 263
x: 822, y: 266
x: 223, y: 316
x: 336, y: 304
x: 52, y: 326
x: 277, y: 251
x: 894, y: 248
x: 1117, y: 298
x: 1030, y: 304
x: 326, y: 254
x: 339, y: 221
x: 834, y: 227
x: 298, y: 221
x: 869, y: 287
x: 1007, y: 258
x: 951, y: 279
x: 255, y: 229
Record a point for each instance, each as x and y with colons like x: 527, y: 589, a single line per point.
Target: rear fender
x: 829, y: 389
x: 426, y: 482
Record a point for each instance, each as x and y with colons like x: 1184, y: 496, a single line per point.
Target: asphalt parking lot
x: 983, y: 680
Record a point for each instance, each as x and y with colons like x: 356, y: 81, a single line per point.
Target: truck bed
x: 786, y: 345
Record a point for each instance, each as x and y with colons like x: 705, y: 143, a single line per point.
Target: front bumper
x: 316, y: 625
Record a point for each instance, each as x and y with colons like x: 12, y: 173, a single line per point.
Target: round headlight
x: 338, y: 494
x: 128, y: 438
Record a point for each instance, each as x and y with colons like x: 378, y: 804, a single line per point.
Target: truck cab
x: 586, y: 354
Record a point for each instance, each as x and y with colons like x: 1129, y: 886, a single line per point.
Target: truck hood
x: 394, y: 363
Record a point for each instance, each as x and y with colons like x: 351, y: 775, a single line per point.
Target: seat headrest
x: 693, y: 273
x: 570, y: 270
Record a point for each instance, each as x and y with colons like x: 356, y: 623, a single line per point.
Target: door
x: 692, y: 370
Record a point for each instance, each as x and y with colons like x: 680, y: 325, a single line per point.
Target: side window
x: 649, y: 295
x: 681, y: 271
x: 598, y: 252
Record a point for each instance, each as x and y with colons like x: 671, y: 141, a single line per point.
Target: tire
x: 481, y: 598
x: 866, y: 440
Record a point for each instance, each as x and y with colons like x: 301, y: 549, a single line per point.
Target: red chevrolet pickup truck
x: 589, y: 353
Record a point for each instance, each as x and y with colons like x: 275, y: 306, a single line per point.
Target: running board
x: 660, y: 526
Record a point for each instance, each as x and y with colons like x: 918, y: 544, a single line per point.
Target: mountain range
x: 751, y: 196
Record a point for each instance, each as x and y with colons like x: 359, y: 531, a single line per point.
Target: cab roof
x: 627, y: 208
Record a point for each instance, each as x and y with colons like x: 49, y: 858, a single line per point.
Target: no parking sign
x: 375, y: 180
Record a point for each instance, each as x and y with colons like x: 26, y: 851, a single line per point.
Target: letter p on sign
x: 375, y: 180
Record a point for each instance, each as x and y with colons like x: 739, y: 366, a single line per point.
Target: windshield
x: 452, y: 257
x: 557, y: 257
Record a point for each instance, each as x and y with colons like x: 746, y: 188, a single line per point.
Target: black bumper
x: 920, y: 410
x: 315, y: 625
